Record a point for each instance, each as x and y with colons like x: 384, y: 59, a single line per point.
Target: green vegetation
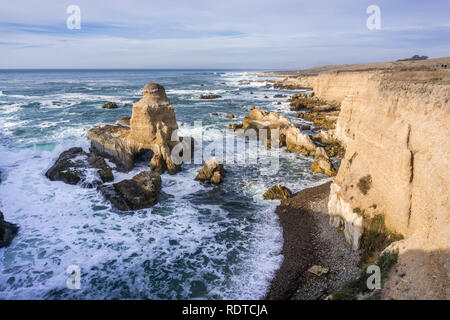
x: 356, y: 286
x: 375, y: 238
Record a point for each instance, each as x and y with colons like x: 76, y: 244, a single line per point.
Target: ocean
x: 198, y: 242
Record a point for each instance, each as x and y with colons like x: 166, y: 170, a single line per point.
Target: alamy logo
x: 74, y: 20
x: 73, y: 282
x: 374, y: 20
x: 374, y: 281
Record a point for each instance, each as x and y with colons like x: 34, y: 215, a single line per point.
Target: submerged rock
x: 277, y: 193
x: 212, y: 171
x: 133, y: 194
x: 7, y: 231
x: 72, y: 167
x: 110, y: 105
x: 152, y: 127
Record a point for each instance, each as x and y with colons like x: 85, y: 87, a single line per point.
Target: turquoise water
x: 198, y: 242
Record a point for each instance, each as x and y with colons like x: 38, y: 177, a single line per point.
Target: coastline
x: 309, y: 239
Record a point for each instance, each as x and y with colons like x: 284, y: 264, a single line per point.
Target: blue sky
x: 262, y: 34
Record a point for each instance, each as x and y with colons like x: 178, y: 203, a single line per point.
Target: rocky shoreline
x: 309, y: 240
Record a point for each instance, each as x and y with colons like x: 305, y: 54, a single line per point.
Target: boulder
x: 212, y: 171
x: 73, y: 165
x: 7, y: 231
x: 230, y: 116
x: 152, y: 127
x: 298, y: 142
x: 214, y: 114
x: 322, y: 163
x: 277, y: 193
x: 210, y: 96
x: 133, y: 194
x: 110, y: 105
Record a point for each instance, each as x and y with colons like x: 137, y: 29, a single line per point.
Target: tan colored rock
x: 277, y: 193
x: 394, y: 125
x: 125, y: 121
x: 299, y: 142
x: 212, y: 171
x: 322, y: 163
x: 152, y: 127
x: 318, y: 270
x: 230, y: 115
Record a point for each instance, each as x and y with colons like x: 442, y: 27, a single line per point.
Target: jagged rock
x: 277, y: 193
x: 152, y: 127
x: 110, y: 105
x: 7, y: 231
x: 133, y: 194
x: 322, y: 163
x: 298, y: 142
x: 210, y: 96
x: 278, y: 95
x: 125, y: 121
x: 230, y: 116
x: 212, y: 171
x: 214, y: 114
x: 104, y: 171
x: 72, y: 167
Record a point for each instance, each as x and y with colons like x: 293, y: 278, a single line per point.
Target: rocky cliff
x: 394, y: 124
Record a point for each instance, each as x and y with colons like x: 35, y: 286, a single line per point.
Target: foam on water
x: 198, y: 242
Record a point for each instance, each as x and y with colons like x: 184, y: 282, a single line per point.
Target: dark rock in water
x: 212, y: 171
x: 104, y: 171
x: 110, y: 105
x: 69, y: 167
x: 72, y: 167
x: 7, y: 231
x: 210, y: 96
x: 214, y: 114
x: 277, y: 193
x: 133, y: 194
x: 278, y: 95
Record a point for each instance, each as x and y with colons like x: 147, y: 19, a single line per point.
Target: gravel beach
x: 310, y: 240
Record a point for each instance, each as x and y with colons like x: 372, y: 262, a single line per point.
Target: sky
x: 212, y: 34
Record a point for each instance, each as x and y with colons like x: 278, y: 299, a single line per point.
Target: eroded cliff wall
x: 395, y: 126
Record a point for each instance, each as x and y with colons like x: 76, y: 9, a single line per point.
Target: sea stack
x: 152, y: 127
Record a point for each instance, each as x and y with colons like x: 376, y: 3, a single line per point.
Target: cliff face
x: 395, y: 126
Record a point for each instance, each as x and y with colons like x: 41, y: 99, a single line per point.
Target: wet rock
x: 277, y: 193
x: 278, y: 95
x: 214, y: 114
x: 7, y: 231
x: 73, y: 165
x: 235, y: 126
x: 110, y: 105
x: 212, y: 171
x: 230, y: 116
x: 210, y: 96
x: 133, y: 194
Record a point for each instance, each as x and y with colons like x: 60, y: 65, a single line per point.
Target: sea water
x: 199, y: 241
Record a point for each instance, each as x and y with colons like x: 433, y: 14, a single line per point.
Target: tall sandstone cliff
x: 395, y: 126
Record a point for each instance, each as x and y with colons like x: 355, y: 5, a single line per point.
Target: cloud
x: 214, y: 34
